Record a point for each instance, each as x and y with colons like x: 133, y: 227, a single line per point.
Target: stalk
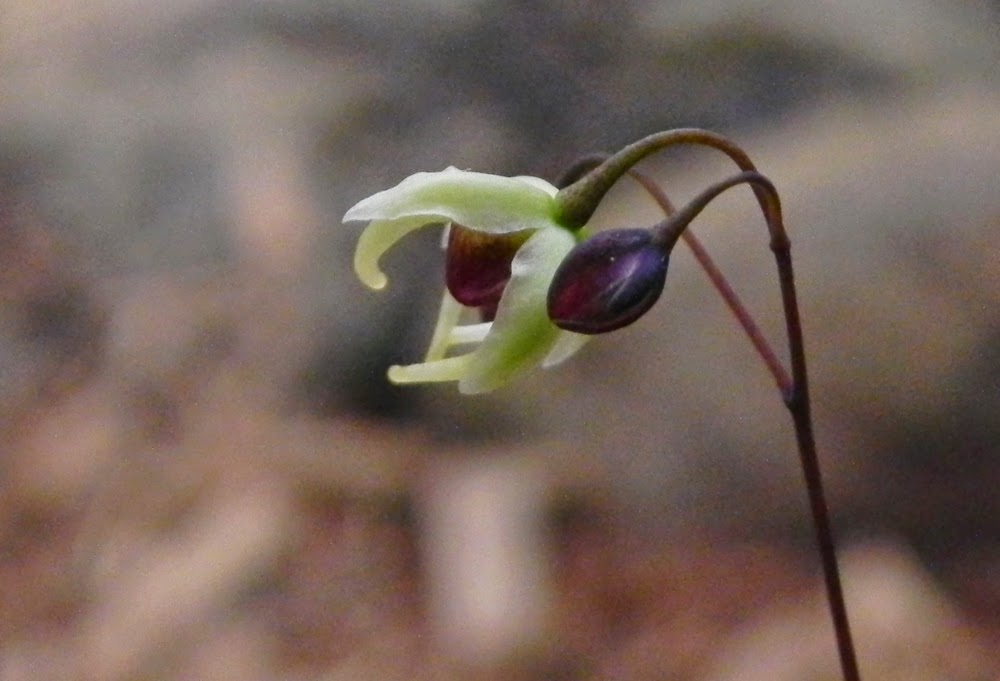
x: 585, y: 185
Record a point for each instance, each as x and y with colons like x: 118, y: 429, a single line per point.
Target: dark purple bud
x: 477, y: 265
x: 607, y: 281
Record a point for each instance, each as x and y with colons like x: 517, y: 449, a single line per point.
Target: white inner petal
x: 450, y: 369
x: 451, y: 311
x: 470, y: 333
x: 566, y: 345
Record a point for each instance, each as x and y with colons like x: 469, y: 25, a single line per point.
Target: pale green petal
x: 378, y: 237
x: 522, y: 334
x: 451, y: 311
x: 469, y: 333
x: 450, y: 369
x: 567, y: 344
x: 486, y: 203
x: 544, y: 185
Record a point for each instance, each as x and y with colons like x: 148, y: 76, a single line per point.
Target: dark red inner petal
x: 488, y: 312
x: 477, y: 265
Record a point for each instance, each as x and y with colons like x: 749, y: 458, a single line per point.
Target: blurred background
x: 205, y: 475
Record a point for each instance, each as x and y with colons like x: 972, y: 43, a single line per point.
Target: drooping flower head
x: 506, y: 242
x: 504, y: 246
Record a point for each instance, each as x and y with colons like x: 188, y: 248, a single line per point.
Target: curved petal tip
x: 375, y: 240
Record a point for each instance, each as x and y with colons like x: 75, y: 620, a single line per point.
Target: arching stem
x: 796, y: 398
x: 715, y: 275
x: 579, y: 200
x: 578, y: 204
x: 723, y: 287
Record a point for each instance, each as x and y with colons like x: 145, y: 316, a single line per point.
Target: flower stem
x: 715, y: 275
x: 576, y: 202
x: 795, y: 395
x: 722, y: 286
x: 798, y: 404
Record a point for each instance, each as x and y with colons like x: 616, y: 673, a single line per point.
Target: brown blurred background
x: 205, y: 475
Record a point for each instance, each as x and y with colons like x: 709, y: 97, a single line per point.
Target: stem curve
x: 577, y: 203
x: 724, y: 288
x: 796, y: 395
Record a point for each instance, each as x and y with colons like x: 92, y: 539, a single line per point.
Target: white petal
x: 487, y: 203
x: 451, y: 311
x: 470, y: 333
x: 522, y: 334
x: 377, y: 238
x: 545, y: 186
x: 450, y: 369
x: 566, y: 345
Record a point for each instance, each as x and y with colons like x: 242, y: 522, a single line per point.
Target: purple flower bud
x: 607, y: 281
x: 477, y: 266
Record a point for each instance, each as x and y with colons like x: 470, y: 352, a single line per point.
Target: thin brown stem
x: 764, y: 349
x: 798, y: 404
x: 578, y: 202
x: 796, y: 399
x: 722, y: 285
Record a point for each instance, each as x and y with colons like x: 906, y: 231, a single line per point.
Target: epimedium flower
x: 503, y: 247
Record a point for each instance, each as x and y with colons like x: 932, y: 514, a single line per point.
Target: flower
x: 494, y: 223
